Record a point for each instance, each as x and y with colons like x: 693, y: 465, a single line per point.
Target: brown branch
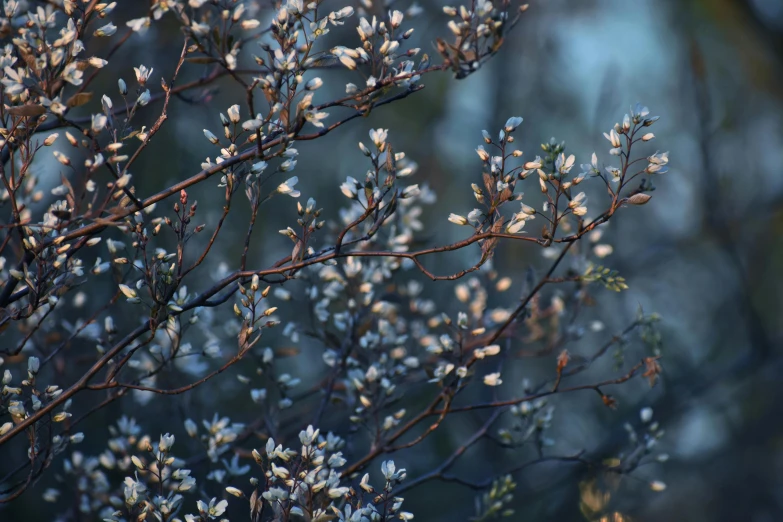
x: 78, y: 385
x: 163, y: 115
x: 361, y: 463
x: 173, y: 391
x: 512, y: 402
x: 439, y: 472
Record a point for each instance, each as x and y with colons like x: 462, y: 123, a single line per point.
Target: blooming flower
x: 142, y: 74
x: 287, y: 187
x: 613, y: 138
x: 512, y: 123
x: 563, y: 164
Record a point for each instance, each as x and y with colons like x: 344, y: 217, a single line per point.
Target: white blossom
x: 287, y: 188
x: 457, y: 219
x: 493, y: 379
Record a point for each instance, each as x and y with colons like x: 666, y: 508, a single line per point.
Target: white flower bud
x: 457, y: 219
x: 211, y: 137
x: 233, y: 113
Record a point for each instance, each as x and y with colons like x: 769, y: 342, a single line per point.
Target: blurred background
x: 706, y: 253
